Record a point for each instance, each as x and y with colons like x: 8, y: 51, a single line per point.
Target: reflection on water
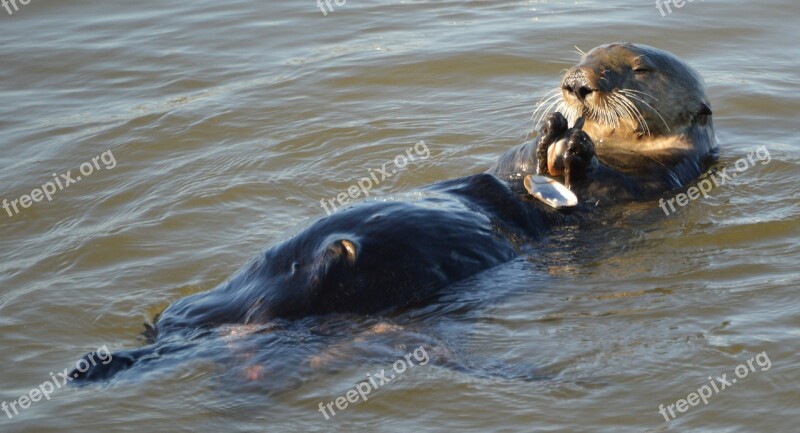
x: 229, y: 122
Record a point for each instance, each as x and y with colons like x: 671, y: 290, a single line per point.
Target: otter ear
x: 345, y: 249
x: 704, y: 110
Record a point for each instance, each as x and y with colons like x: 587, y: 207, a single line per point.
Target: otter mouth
x: 612, y: 107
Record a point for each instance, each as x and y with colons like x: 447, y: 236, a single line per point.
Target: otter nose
x: 576, y: 84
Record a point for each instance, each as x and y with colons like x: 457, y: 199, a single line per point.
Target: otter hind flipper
x: 95, y: 366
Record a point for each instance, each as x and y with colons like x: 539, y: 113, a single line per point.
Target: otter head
x: 635, y: 95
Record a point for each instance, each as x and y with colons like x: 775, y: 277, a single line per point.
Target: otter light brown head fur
x: 636, y: 98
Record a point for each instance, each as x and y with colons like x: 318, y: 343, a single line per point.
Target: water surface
x: 230, y: 121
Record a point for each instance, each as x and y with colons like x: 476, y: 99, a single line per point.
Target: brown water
x: 230, y: 121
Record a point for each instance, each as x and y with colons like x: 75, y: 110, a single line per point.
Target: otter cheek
x: 555, y: 157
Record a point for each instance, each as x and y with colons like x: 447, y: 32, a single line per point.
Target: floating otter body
x: 388, y: 254
x: 364, y: 259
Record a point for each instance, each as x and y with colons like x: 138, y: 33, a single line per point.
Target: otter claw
x: 554, y: 127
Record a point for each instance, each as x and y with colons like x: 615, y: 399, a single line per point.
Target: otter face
x: 630, y: 92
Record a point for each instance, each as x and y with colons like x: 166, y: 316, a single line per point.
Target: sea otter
x: 646, y: 126
x: 636, y: 122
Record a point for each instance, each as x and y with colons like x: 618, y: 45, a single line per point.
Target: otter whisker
x: 636, y: 117
x: 639, y: 92
x: 558, y: 104
x: 618, y: 113
x: 640, y: 117
x: 628, y: 99
x: 621, y: 109
x: 541, y: 104
x: 546, y: 101
x: 611, y: 113
x: 643, y: 125
x: 605, y: 114
x: 571, y: 113
x: 580, y: 51
x: 626, y: 112
x: 545, y: 109
x: 650, y: 107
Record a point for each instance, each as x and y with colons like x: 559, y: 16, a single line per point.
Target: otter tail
x: 98, y: 366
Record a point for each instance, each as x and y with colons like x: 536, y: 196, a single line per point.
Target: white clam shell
x: 550, y: 191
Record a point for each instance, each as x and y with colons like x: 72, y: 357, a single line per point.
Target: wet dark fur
x: 406, y: 252
x: 381, y: 255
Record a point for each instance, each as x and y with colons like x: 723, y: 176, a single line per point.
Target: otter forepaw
x: 553, y: 128
x: 579, y: 159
